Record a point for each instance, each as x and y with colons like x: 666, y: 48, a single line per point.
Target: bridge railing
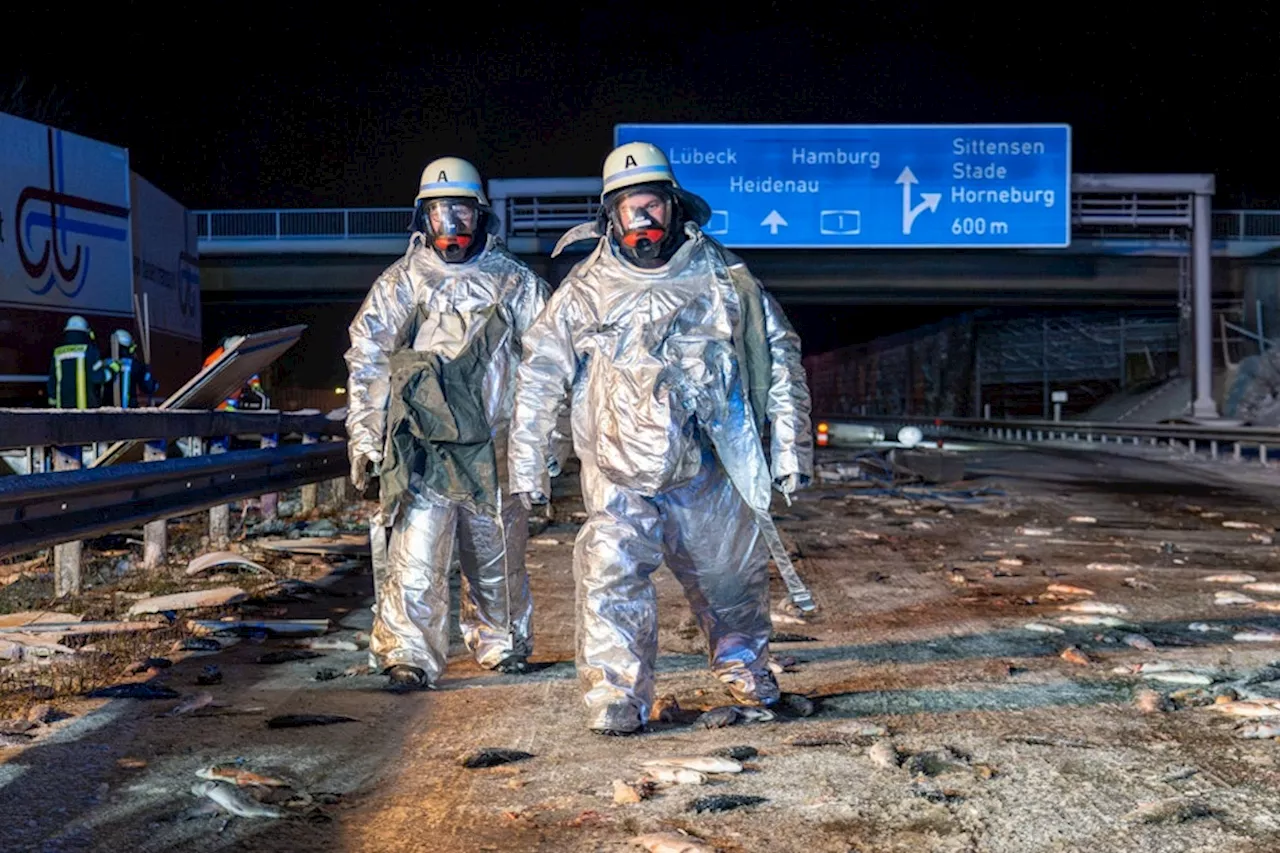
x: 550, y: 216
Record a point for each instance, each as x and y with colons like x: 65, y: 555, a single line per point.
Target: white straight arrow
x: 773, y: 220
x: 909, y: 213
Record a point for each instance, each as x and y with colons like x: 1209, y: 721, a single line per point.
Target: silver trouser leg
x: 715, y: 550
x: 378, y: 556
x: 412, y: 618
x: 496, y: 612
x: 616, y: 551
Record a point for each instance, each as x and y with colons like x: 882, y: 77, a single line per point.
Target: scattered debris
x: 737, y: 753
x: 223, y: 560
x: 1082, y: 519
x: 217, y: 597
x: 1041, y: 628
x: 1113, y: 567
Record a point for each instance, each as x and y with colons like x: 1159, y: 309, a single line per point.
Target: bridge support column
x: 1203, y: 405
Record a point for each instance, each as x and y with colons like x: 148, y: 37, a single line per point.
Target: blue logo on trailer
x: 59, y: 225
x: 981, y: 186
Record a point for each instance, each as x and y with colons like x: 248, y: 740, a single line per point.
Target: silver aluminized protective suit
x: 673, y: 464
x: 412, y: 598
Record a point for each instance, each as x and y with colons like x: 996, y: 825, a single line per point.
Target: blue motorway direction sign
x: 990, y: 186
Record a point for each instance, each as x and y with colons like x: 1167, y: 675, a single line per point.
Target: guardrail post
x: 339, y: 493
x: 270, y: 502
x: 155, y: 534
x: 219, y: 516
x: 311, y: 491
x: 66, y: 557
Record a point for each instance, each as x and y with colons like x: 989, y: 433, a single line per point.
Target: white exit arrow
x: 909, y: 213
x: 773, y: 220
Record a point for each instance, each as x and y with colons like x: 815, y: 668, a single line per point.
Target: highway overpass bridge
x: 1128, y: 249
x: 1138, y: 241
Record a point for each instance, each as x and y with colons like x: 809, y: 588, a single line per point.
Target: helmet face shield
x: 641, y: 218
x: 452, y: 224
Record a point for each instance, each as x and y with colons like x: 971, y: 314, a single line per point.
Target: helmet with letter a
x: 451, y: 208
x: 642, y: 203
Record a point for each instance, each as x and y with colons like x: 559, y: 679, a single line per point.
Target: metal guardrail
x: 552, y: 215
x: 1243, y: 441
x: 51, y: 428
x: 40, y: 510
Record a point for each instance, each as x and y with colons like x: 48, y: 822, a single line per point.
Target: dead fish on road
x: 1257, y: 637
x: 671, y: 842
x: 293, y: 721
x: 728, y: 715
x: 134, y: 690
x: 1249, y: 708
x: 1232, y: 598
x: 1094, y: 619
x: 239, y: 776
x: 1139, y: 583
x: 1068, y: 589
x: 737, y: 753
x: 146, y: 664
x: 1266, y: 587
x: 196, y: 644
x: 1041, y: 628
x: 287, y: 655
x: 787, y: 637
x: 232, y: 802
x: 700, y: 763
x: 191, y: 703
x: 676, y: 776
x: 1202, y: 628
x: 1230, y: 577
x: 489, y: 756
x: 1138, y: 641
x: 331, y: 644
x: 1112, y: 567
x: 1095, y: 607
x: 1254, y: 731
x: 1179, y: 677
x: 724, y: 802
x: 1241, y: 525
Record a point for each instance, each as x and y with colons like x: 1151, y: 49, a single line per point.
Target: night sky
x: 225, y: 106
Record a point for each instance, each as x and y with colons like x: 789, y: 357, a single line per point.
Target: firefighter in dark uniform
x: 134, y: 376
x: 77, y: 372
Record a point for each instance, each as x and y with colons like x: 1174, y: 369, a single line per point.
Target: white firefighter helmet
x: 76, y: 323
x: 123, y: 338
x: 637, y: 163
x: 451, y: 177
